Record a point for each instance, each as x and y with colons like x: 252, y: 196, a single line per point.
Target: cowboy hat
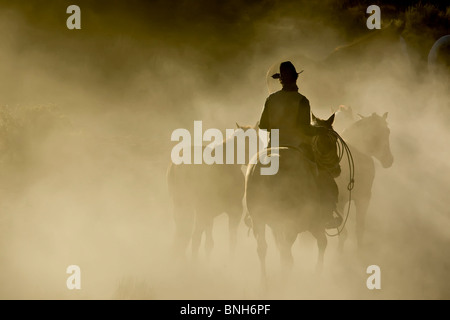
x: 287, y: 70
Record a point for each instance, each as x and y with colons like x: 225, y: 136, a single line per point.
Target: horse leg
x: 199, y: 228
x: 184, y: 220
x: 344, y: 233
x: 259, y: 230
x: 362, y: 205
x: 209, y: 242
x: 342, y: 238
x: 322, y: 244
x: 286, y: 240
x: 233, y: 222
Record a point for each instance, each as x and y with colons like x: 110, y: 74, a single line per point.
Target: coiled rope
x: 342, y: 148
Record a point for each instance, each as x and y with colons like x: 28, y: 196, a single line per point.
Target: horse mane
x: 231, y: 137
x: 246, y: 127
x: 357, y: 126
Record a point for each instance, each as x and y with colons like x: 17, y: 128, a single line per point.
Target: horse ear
x: 313, y: 117
x: 238, y: 126
x: 385, y: 115
x: 361, y: 116
x: 330, y: 120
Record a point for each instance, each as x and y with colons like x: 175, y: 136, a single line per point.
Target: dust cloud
x: 86, y: 117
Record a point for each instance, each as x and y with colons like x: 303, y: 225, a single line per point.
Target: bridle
x: 327, y: 160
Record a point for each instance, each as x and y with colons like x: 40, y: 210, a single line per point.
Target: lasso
x: 327, y: 162
x: 343, y: 148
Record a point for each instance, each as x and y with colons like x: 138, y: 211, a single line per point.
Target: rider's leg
x: 329, y: 196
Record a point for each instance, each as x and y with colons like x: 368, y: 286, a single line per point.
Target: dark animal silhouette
x: 289, y: 201
x: 344, y: 118
x: 331, y: 81
x: 367, y: 138
x: 200, y: 193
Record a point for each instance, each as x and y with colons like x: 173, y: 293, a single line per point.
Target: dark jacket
x: 290, y: 112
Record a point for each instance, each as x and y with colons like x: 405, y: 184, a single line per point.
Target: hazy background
x: 85, y: 124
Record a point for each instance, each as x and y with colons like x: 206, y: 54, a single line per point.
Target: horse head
x: 324, y: 146
x: 246, y: 127
x: 371, y: 134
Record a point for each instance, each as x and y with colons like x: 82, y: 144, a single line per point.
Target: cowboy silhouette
x: 290, y: 112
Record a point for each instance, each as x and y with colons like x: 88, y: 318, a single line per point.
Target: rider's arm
x: 304, y: 118
x: 264, y: 122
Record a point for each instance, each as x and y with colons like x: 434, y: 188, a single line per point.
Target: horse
x: 367, y: 138
x: 289, y: 201
x: 344, y: 118
x: 348, y: 65
x: 201, y: 192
